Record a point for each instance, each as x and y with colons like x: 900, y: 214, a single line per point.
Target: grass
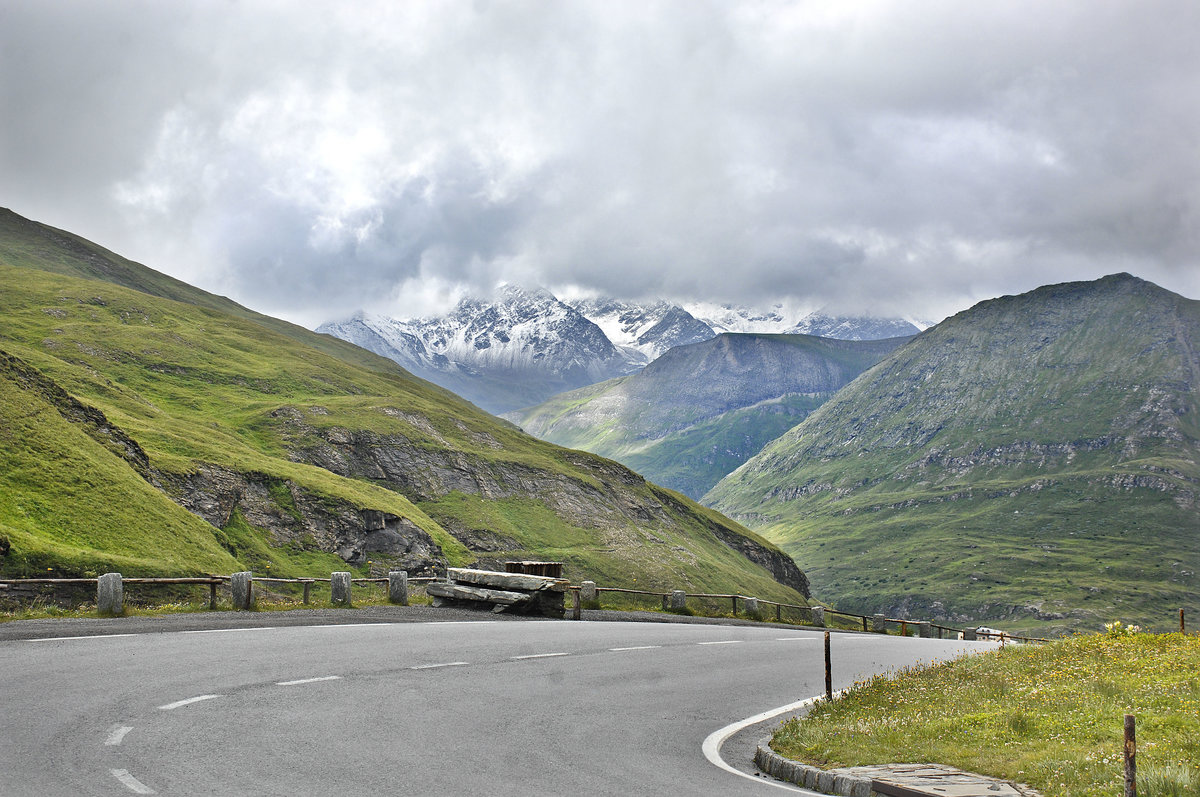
x: 197, y: 381
x: 1047, y: 715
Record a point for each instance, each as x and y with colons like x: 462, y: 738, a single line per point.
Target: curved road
x: 426, y: 708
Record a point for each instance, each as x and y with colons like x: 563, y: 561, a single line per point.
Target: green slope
x: 699, y: 411
x: 132, y: 417
x: 1033, y: 459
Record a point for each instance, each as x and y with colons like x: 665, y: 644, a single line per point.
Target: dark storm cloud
x: 310, y: 159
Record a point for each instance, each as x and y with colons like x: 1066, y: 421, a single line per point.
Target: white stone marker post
x: 339, y: 589
x: 398, y: 587
x: 587, y: 591
x: 242, y: 589
x: 925, y: 629
x: 110, y: 597
x: 678, y: 600
x: 818, y: 616
x: 879, y: 624
x: 751, y: 606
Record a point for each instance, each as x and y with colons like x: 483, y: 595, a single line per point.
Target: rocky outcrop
x: 295, y: 517
x: 616, y: 495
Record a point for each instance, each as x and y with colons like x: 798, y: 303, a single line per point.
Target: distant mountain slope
x: 502, y: 354
x: 161, y: 436
x: 699, y: 411
x: 1034, y: 458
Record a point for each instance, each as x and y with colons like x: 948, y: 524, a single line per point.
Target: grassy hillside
x: 174, y: 432
x: 1033, y: 459
x: 699, y: 411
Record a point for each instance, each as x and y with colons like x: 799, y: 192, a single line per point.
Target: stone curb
x: 810, y: 777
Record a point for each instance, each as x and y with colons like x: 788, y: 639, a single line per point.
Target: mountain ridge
x: 1009, y: 448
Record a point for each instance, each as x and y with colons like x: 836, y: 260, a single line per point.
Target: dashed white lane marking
x: 117, y: 735
x: 638, y: 647
x: 65, y: 638
x: 131, y: 783
x: 309, y: 680
x: 722, y: 642
x: 188, y: 702
x: 796, y: 639
x: 436, y: 666
x: 226, y: 630
x: 538, y: 656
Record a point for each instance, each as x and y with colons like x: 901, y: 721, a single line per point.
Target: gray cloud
x: 310, y: 159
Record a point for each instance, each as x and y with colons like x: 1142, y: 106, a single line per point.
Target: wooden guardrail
x: 676, y: 600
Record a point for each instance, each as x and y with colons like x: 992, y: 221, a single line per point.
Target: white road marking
x: 187, y: 702
x: 65, y: 638
x: 435, y: 666
x: 722, y: 642
x: 117, y: 735
x: 639, y: 647
x: 538, y: 656
x: 712, y: 744
x: 796, y: 639
x: 309, y: 680
x: 131, y: 783
x: 226, y: 630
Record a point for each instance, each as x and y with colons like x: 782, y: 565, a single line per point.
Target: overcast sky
x: 312, y: 159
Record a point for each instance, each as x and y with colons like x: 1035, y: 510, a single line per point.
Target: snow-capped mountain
x: 648, y: 330
x: 856, y: 328
x: 513, y: 352
x: 524, y: 346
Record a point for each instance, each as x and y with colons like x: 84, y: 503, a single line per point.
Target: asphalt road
x: 479, y: 707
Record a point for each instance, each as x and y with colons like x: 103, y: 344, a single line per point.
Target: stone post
x: 110, y: 597
x: 398, y: 587
x: 339, y: 588
x: 970, y: 635
x: 678, y: 600
x: 818, y: 616
x: 241, y: 586
x: 751, y: 606
x: 587, y: 592
x: 925, y: 629
x: 879, y: 624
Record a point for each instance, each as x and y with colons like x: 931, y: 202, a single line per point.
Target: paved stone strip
x: 891, y: 780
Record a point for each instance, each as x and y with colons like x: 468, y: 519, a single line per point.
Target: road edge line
x: 712, y: 743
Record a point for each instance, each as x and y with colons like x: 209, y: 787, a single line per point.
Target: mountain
x: 517, y: 350
x: 699, y: 411
x: 1031, y: 459
x: 781, y: 319
x: 149, y: 427
x: 525, y: 346
x: 647, y: 329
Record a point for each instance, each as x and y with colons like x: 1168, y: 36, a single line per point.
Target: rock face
x: 292, y: 516
x: 427, y: 474
x: 1033, y: 457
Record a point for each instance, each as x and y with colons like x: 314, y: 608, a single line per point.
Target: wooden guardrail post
x: 397, y: 587
x: 828, y: 670
x: 212, y: 596
x: 339, y: 588
x: 1182, y: 627
x: 778, y: 613
x: 1130, y: 757
x: 110, y: 598
x: 241, y: 586
x: 576, y: 605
